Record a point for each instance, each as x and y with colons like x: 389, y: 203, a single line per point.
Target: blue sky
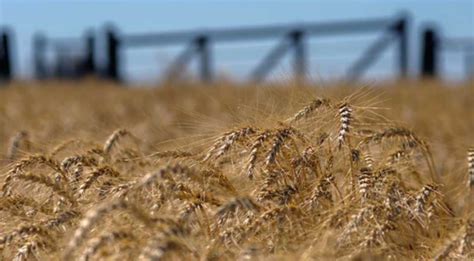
x: 328, y: 57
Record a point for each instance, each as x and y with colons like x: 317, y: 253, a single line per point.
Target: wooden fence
x: 72, y: 58
x: 291, y: 38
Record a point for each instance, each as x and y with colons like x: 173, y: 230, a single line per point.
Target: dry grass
x: 92, y: 171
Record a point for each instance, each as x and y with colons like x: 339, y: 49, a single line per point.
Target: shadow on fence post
x: 5, y: 55
x: 113, y: 54
x: 429, y: 53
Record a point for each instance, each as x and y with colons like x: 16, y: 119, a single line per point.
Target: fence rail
x: 292, y: 38
x: 259, y: 32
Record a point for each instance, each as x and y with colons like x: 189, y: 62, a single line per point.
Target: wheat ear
x: 29, y: 162
x: 94, y: 215
x: 22, y: 231
x: 280, y: 138
x: 310, y: 108
x: 225, y: 142
x: 254, y: 151
x: 365, y: 180
x: 228, y: 209
x: 321, y: 191
x: 106, y: 170
x: 113, y: 139
x: 85, y: 160
x: 54, y: 186
x: 345, y: 117
x: 14, y: 202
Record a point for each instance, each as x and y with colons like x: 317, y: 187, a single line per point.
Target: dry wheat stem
x: 470, y: 167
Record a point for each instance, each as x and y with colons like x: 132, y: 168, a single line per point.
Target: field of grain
x: 93, y: 171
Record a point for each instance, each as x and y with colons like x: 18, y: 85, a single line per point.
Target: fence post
x: 89, y: 64
x: 113, y: 56
x: 39, y: 51
x: 297, y: 39
x: 402, y: 30
x: 5, y: 56
x: 429, y: 53
x: 204, y: 52
x: 469, y: 62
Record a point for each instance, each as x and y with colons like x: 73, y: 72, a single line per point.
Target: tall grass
x: 94, y: 172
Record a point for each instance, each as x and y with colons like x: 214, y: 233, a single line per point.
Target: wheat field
x: 94, y: 171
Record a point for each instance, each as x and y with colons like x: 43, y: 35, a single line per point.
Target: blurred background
x: 147, y: 42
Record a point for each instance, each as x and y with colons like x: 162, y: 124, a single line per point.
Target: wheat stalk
x: 470, y: 167
x: 310, y: 201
